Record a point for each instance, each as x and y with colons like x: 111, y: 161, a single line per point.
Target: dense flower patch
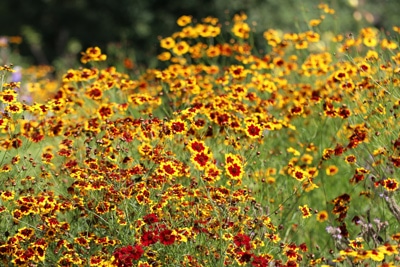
x: 231, y: 155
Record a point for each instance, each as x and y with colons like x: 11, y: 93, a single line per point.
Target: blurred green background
x: 56, y: 31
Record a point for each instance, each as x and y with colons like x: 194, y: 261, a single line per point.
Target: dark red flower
x: 150, y: 218
x: 242, y: 240
x: 148, y: 238
x: 167, y: 237
x: 244, y: 256
x: 125, y: 255
x: 261, y: 261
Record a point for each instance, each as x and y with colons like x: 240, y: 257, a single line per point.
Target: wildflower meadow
x: 233, y: 152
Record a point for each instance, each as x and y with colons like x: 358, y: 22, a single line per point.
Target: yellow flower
x: 388, y: 44
x: 164, y: 56
x: 184, y: 20
x: 314, y: 22
x: 306, y: 211
x: 167, y: 43
x: 370, y: 41
x: 322, y: 216
x: 181, y: 48
x: 331, y: 170
x: 92, y: 54
x: 241, y: 30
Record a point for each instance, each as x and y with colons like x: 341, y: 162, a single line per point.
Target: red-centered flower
x: 81, y: 241
x: 150, y: 218
x: 222, y: 119
x: 253, y: 130
x: 8, y: 96
x: 26, y: 233
x: 291, y: 263
x: 149, y: 238
x: 201, y: 159
x: 390, y: 184
x: 199, y: 123
x: 291, y: 254
x: 395, y: 161
x: 168, y: 168
x: 261, y: 261
x: 242, y: 240
x: 235, y: 171
x: 103, y: 207
x: 95, y: 260
x: 243, y: 257
x: 178, y: 126
x: 351, y: 159
x: 125, y: 255
x: 95, y: 93
x: 196, y: 146
x: 305, y: 210
x: 105, y: 111
x: 167, y: 237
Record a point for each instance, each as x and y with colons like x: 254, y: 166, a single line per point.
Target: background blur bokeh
x: 54, y: 32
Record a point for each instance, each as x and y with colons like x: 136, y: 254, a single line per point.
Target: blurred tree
x: 61, y: 28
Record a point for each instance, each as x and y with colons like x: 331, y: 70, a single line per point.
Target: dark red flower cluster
x: 124, y: 256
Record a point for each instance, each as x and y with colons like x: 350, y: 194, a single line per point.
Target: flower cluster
x: 226, y: 156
